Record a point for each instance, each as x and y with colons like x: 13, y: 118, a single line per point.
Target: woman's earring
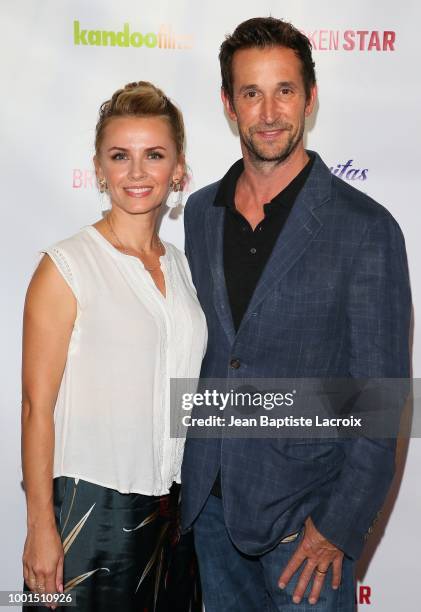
x: 102, y: 184
x: 175, y: 197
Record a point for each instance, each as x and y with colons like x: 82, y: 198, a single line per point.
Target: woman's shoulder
x: 180, y: 258
x: 74, y: 255
x: 67, y: 255
x: 72, y: 244
x: 171, y: 249
x: 175, y: 253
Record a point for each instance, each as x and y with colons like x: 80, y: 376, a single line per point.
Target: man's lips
x: 138, y: 192
x: 270, y: 134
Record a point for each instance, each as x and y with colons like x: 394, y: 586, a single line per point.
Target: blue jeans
x: 235, y: 582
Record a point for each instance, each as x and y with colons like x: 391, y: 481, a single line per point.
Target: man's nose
x: 269, y: 109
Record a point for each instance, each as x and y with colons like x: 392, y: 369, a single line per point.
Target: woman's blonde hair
x: 141, y: 99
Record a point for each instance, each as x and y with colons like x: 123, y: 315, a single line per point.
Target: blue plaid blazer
x: 333, y: 301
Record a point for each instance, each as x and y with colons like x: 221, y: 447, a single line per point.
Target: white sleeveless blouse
x: 112, y: 415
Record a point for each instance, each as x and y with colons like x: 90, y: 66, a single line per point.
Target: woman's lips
x: 138, y: 192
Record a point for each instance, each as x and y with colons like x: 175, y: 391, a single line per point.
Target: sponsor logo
x: 352, y: 40
x: 348, y: 172
x: 84, y: 178
x: 164, y: 38
x: 363, y: 595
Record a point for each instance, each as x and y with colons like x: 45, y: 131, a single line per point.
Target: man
x: 300, y: 275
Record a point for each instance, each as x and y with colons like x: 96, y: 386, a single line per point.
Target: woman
x: 110, y: 316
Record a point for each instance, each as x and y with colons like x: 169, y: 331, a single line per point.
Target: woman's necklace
x: 127, y: 251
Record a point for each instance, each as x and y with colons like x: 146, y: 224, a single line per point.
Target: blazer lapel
x: 215, y: 216
x: 300, y: 229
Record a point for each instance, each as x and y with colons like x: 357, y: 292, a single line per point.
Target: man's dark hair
x: 264, y: 32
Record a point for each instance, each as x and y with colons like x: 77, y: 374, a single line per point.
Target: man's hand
x: 317, y: 553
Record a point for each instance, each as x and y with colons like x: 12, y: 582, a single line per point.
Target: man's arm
x: 378, y: 317
x: 378, y: 314
x: 187, y: 237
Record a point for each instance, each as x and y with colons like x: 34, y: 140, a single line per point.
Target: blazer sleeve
x: 187, y: 235
x: 378, y: 311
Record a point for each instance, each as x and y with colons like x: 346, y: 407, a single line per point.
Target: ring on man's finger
x: 321, y: 572
x: 41, y: 587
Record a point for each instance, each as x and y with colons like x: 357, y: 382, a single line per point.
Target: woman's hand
x: 43, y: 559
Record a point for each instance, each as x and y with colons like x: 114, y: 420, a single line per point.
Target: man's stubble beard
x: 257, y: 154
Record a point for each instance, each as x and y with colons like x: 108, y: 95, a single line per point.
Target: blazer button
x: 235, y: 363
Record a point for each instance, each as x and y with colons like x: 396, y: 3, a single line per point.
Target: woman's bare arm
x: 49, y: 316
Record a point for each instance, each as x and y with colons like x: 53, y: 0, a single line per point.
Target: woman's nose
x: 137, y: 171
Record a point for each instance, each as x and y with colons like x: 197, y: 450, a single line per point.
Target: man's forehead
x: 266, y: 54
x: 275, y: 63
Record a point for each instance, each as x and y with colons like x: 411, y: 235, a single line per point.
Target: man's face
x: 269, y: 102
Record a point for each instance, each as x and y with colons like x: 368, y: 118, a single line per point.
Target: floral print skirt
x: 124, y: 552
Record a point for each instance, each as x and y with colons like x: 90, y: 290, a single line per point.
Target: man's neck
x: 260, y: 182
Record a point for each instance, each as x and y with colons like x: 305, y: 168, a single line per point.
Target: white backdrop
x: 54, y: 77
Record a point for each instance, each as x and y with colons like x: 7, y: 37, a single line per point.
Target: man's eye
x: 251, y: 94
x: 285, y: 91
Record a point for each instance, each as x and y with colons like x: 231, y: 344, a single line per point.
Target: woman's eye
x: 155, y: 155
x: 120, y: 156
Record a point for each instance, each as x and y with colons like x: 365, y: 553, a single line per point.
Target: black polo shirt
x: 246, y: 252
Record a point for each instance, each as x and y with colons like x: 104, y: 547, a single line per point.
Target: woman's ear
x: 180, y: 172
x: 100, y: 178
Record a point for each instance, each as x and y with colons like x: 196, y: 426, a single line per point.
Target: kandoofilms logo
x: 164, y: 38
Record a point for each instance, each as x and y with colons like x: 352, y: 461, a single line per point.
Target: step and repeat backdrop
x: 61, y: 60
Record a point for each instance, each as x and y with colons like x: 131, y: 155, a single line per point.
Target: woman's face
x: 138, y: 159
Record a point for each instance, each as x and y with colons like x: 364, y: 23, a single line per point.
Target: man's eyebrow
x: 251, y: 86
x: 279, y: 84
x: 287, y: 84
